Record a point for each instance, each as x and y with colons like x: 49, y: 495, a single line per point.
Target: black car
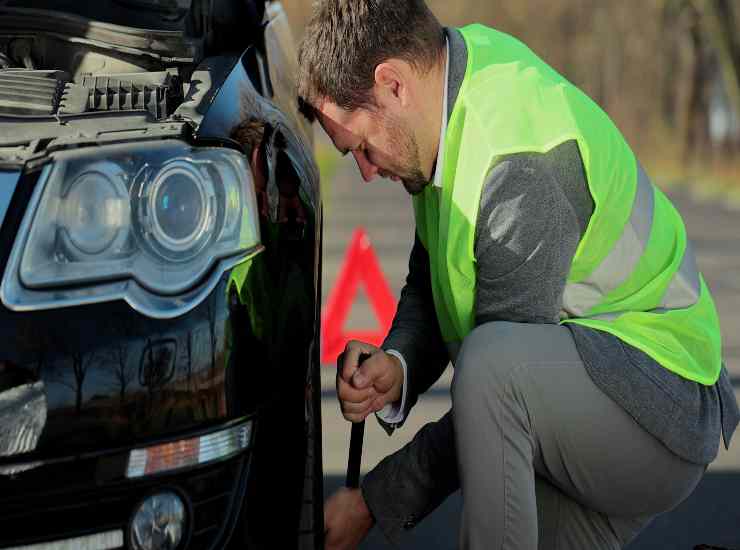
x: 160, y: 295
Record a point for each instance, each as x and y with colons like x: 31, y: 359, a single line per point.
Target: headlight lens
x: 158, y: 523
x: 154, y: 223
x: 179, y: 210
x: 93, y: 213
x: 160, y: 213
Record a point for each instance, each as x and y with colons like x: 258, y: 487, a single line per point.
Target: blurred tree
x: 703, y: 35
x: 667, y: 71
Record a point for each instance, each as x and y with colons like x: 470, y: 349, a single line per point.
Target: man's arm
x: 409, y: 484
x: 415, y: 333
x: 533, y: 210
x: 416, y: 341
x: 413, y: 355
x: 532, y: 213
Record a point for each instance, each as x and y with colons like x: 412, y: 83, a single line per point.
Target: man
x: 588, y: 393
x: 285, y: 206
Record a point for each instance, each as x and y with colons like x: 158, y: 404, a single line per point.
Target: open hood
x: 171, y: 30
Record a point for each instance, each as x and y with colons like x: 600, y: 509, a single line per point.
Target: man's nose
x: 367, y: 168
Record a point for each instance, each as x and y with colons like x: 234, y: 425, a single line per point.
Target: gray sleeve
x: 409, y: 484
x: 527, y: 233
x: 415, y: 331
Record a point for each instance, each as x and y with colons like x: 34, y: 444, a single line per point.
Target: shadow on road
x: 710, y: 515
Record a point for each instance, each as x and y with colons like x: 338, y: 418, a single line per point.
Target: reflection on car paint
x: 22, y: 416
x: 111, y: 378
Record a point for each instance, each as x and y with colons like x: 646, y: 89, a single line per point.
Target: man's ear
x: 392, y: 82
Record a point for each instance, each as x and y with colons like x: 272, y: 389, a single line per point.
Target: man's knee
x: 481, y: 370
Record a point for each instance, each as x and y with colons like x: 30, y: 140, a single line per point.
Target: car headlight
x: 124, y: 221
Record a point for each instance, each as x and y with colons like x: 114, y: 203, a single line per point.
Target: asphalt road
x: 710, y: 515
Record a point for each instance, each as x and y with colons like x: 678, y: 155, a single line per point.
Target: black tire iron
x: 355, y: 446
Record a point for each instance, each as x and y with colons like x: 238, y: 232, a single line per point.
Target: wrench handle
x: 355, y: 447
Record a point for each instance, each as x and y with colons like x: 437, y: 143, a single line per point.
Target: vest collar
x: 439, y: 164
x: 455, y: 65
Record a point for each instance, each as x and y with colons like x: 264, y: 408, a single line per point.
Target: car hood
x: 176, y: 30
x: 165, y: 15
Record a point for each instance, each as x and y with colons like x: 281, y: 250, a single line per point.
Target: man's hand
x: 370, y: 387
x: 347, y: 520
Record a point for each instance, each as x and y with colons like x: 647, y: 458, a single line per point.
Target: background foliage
x: 667, y: 71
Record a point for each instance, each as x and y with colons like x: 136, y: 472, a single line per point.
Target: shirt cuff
x: 393, y: 413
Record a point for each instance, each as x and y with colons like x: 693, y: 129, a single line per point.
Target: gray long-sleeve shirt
x: 534, y: 209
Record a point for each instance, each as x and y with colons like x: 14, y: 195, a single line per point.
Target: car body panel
x: 171, y: 45
x: 100, y: 379
x: 283, y: 56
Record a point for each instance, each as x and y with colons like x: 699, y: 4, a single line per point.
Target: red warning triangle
x: 360, y: 266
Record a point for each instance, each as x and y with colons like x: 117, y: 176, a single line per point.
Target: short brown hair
x: 249, y: 133
x: 347, y: 39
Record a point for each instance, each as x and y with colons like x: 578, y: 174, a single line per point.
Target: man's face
x: 380, y: 143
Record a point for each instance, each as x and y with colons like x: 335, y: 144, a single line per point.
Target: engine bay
x: 53, y: 90
x: 45, y: 76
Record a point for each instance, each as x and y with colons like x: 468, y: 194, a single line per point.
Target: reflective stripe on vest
x: 581, y: 297
x: 683, y: 292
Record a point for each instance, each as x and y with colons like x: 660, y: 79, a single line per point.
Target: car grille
x: 34, y: 512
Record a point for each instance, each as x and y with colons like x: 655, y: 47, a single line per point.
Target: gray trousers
x: 546, y: 459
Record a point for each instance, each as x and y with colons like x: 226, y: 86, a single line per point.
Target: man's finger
x: 347, y: 393
x: 380, y: 401
x: 376, y: 371
x: 358, y: 408
x: 351, y: 357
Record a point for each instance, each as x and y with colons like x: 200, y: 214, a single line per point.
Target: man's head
x: 250, y: 134
x: 366, y: 70
x: 253, y: 134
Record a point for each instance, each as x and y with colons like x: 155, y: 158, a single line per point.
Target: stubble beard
x: 412, y: 178
x: 415, y: 182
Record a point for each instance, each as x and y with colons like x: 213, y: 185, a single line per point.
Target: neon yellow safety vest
x: 633, y: 274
